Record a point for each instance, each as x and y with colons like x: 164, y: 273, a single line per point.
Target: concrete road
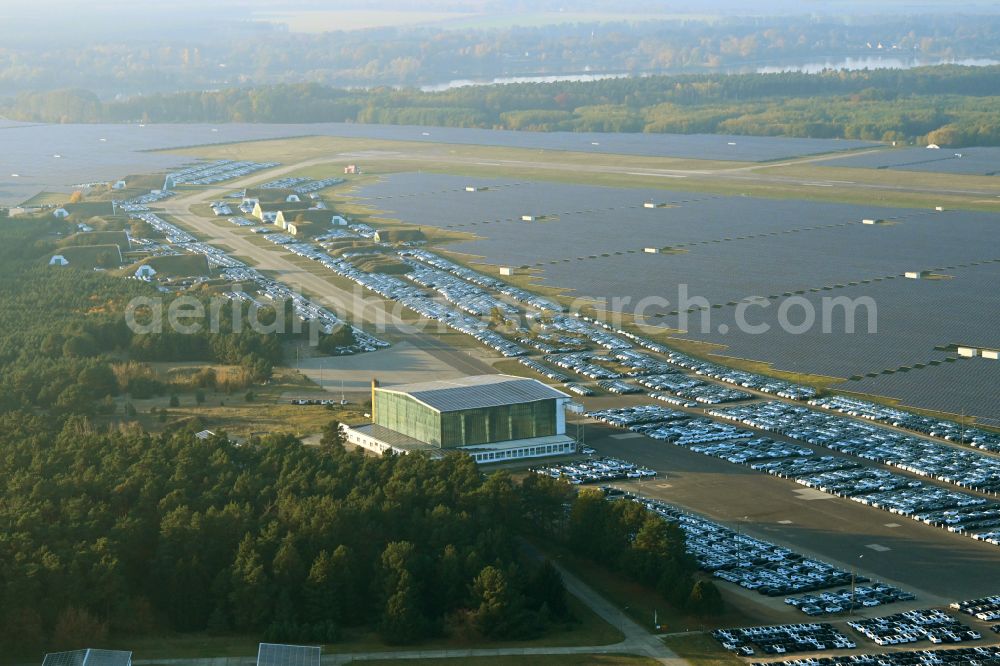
x: 359, y: 307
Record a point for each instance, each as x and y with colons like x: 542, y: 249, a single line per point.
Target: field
x: 725, y: 250
x: 234, y: 412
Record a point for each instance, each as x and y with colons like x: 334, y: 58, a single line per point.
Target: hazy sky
x: 71, y: 22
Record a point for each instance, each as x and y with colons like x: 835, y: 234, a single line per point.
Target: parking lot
x: 217, y: 172
x: 956, y: 511
x: 782, y: 638
x: 858, y: 597
x: 915, y: 626
x: 899, y: 418
x: 978, y: 656
x: 595, y: 470
x: 754, y: 564
x: 986, y: 609
x: 936, y: 565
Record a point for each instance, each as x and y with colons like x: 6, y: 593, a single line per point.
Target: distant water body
x: 814, y: 67
x: 875, y: 62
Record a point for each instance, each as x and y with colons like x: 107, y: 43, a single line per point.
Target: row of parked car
x: 241, y: 222
x: 304, y: 308
x: 961, y: 467
x: 986, y: 609
x: 977, y: 656
x: 784, y: 638
x: 171, y: 232
x: 694, y: 431
x: 416, y: 299
x: 625, y: 417
x: 582, y: 364
x: 543, y: 370
x: 793, y: 468
x: 913, y: 626
x: 691, y: 389
x: 742, y: 378
x: 620, y: 340
x: 949, y: 430
x: 751, y: 450
x: 600, y: 334
x: 599, y: 470
x: 861, y: 596
x: 641, y: 364
x: 460, y: 293
x: 285, y: 183
x: 743, y: 560
x: 221, y: 208
x: 671, y: 399
x: 216, y: 172
x: 312, y: 401
x: 541, y: 345
x: 312, y: 186
x: 618, y: 387
x: 141, y: 203
x: 484, y: 281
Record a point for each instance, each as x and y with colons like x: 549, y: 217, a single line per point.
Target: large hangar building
x: 493, y: 418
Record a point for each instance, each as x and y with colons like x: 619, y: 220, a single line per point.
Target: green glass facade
x: 402, y: 413
x: 481, y: 425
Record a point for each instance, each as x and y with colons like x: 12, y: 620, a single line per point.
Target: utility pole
x: 739, y: 540
x: 854, y: 583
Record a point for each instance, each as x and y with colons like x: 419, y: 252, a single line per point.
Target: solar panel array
x: 88, y: 657
x: 968, y: 386
x: 592, y: 239
x: 968, y: 161
x: 276, y: 654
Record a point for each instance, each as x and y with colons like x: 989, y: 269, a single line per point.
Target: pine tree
x: 249, y: 597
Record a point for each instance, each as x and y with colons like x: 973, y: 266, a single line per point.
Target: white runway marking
x: 656, y: 175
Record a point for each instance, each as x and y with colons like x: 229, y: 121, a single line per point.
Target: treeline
x: 624, y: 536
x: 948, y: 105
x: 219, y: 54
